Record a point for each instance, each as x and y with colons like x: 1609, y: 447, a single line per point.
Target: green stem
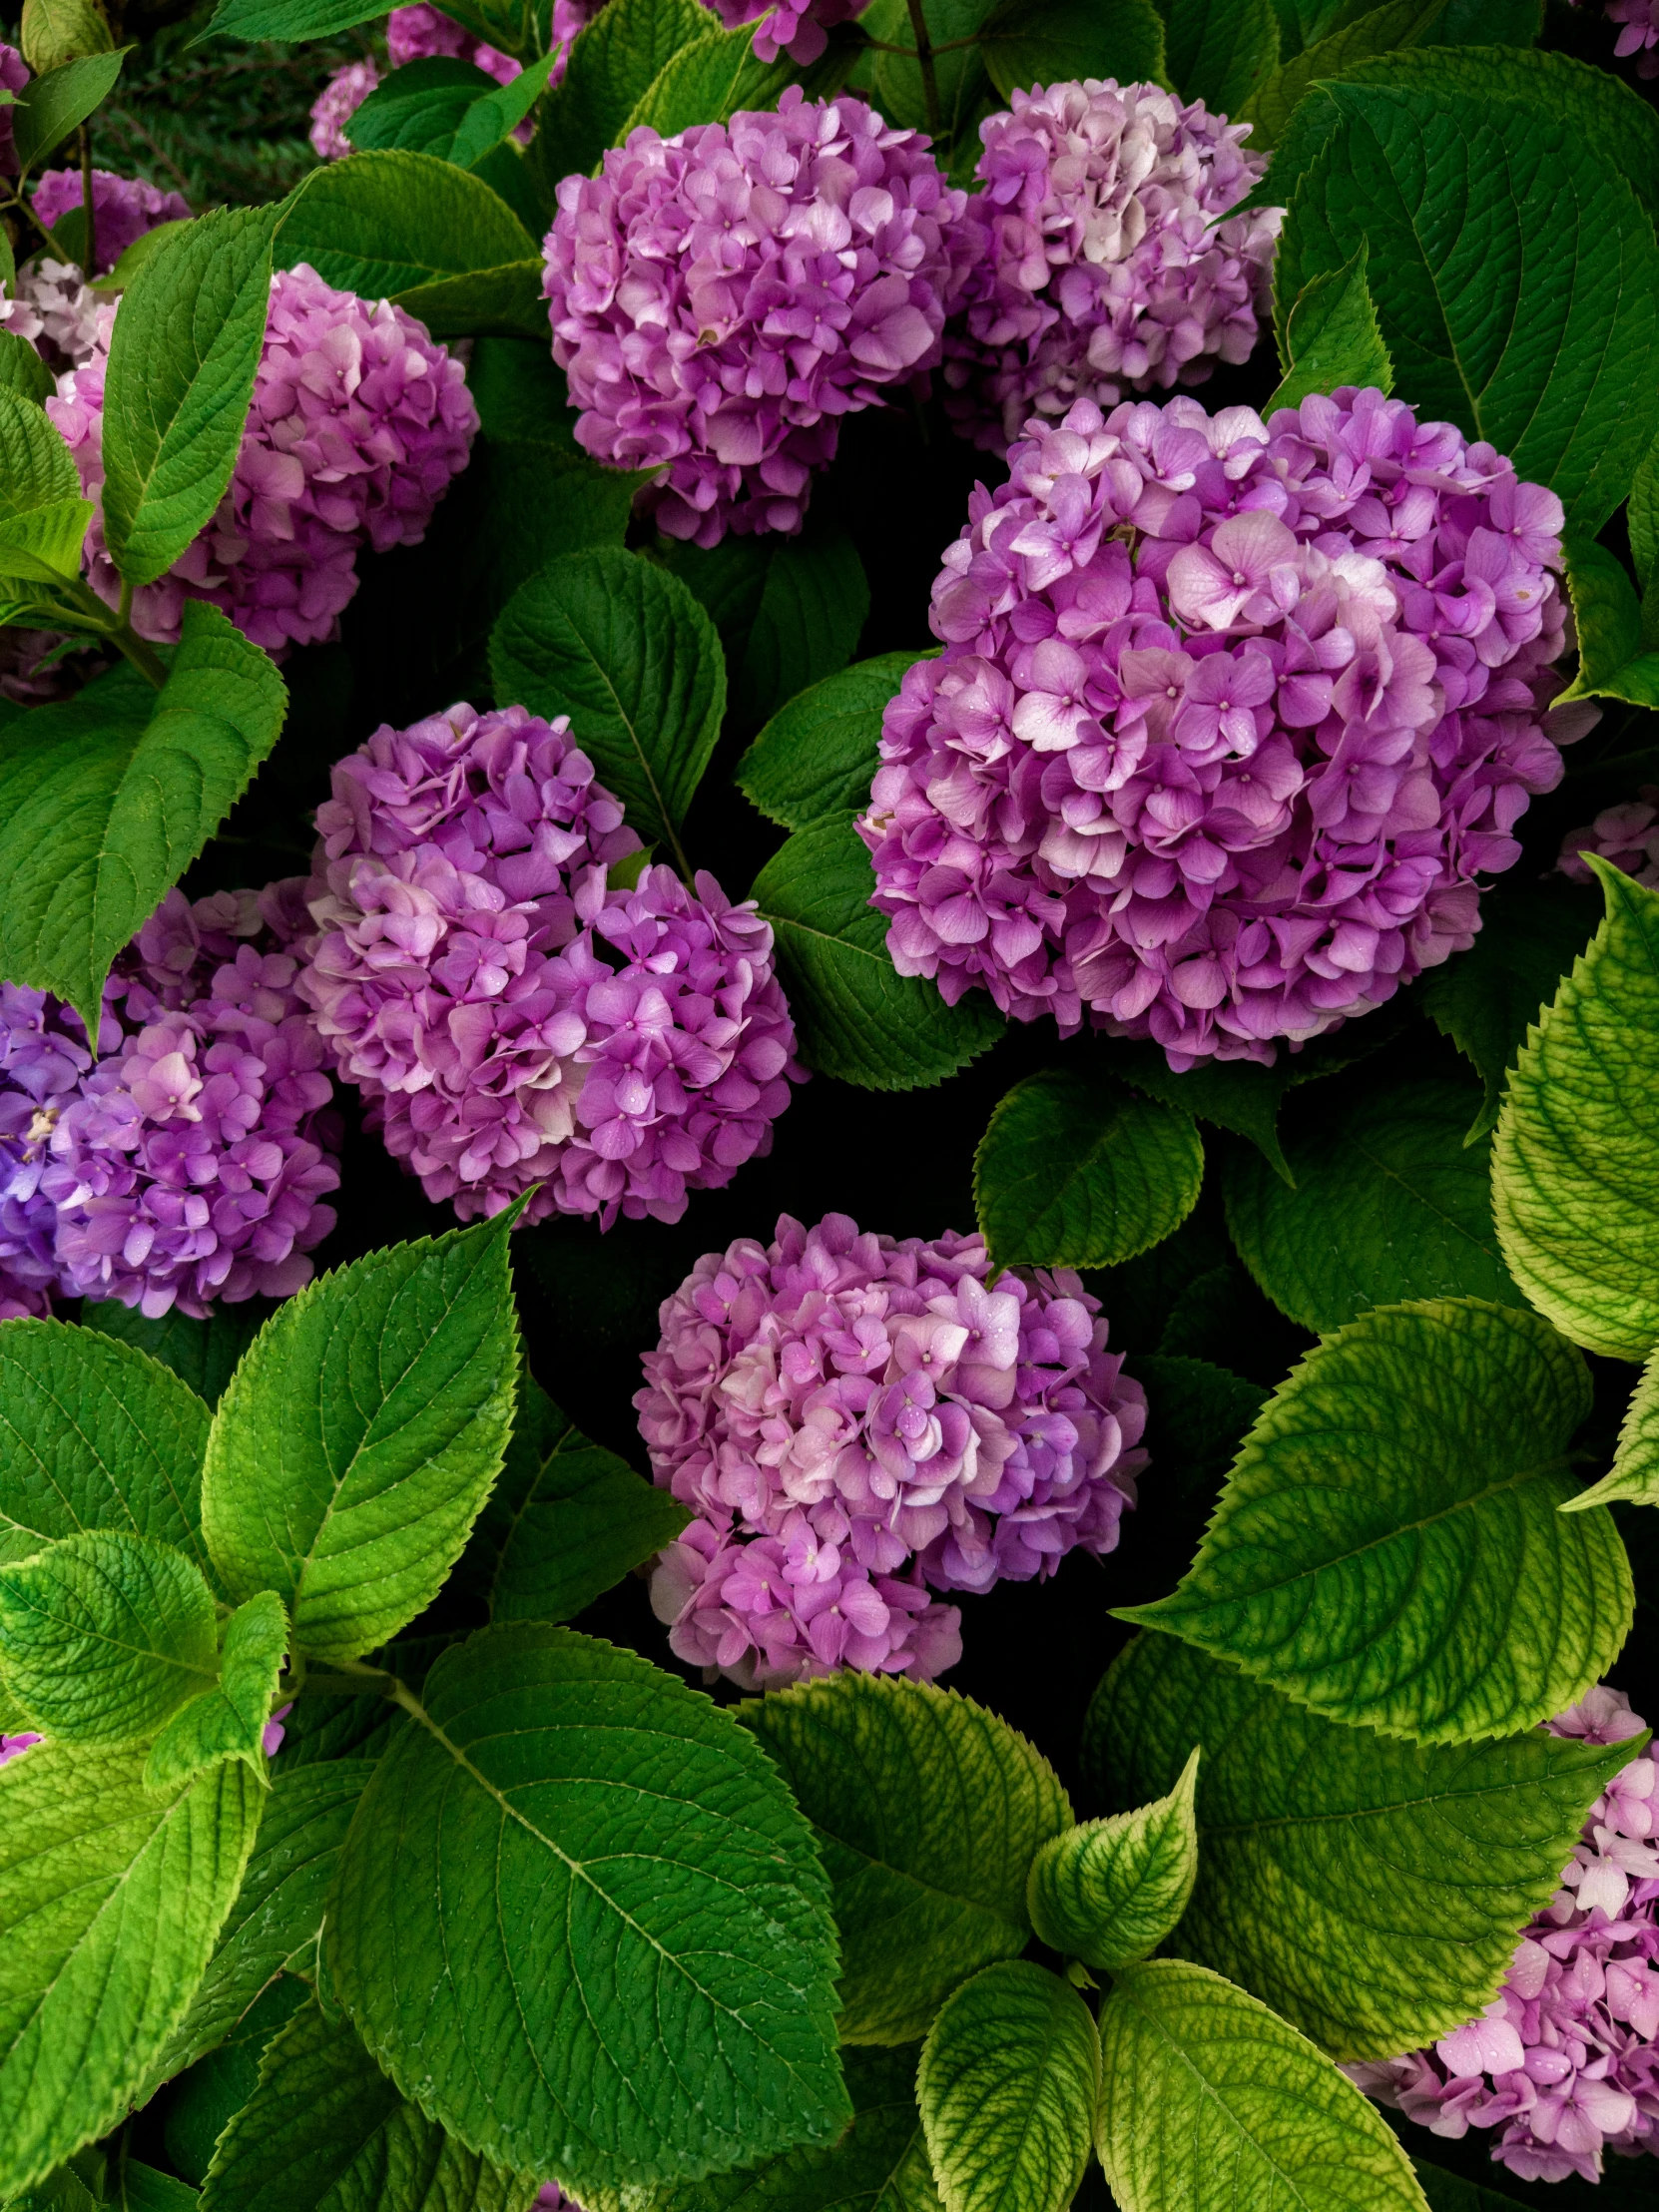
x: 925, y: 61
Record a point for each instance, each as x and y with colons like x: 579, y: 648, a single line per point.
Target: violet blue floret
x: 1565, y: 2060
x: 44, y: 1059
x: 1113, y: 265
x: 1627, y: 834
x: 857, y: 1421
x: 721, y: 299
x: 1230, y: 719
x: 360, y: 422
x: 123, y: 209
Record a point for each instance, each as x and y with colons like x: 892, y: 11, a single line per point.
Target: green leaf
x: 144, y: 248
x: 182, y: 356
x: 1390, y: 1548
x: 813, y: 607
x: 819, y: 753
x: 1209, y: 2101
x: 491, y: 120
x: 506, y: 301
x: 1109, y: 1893
x: 203, y: 1353
x: 957, y: 26
x: 326, y: 2131
x: 141, y: 2188
x: 63, y: 2190
x: 1514, y: 274
x: 1370, y: 1890
x: 1330, y: 337
x: 1488, y: 998
x: 1197, y: 1418
x: 625, y: 650
x: 1450, y: 2192
x: 1615, y: 659
x: 105, y: 1635
x: 708, y: 82
x: 107, y: 798
x: 92, y: 1434
x: 560, y: 1805
x: 566, y: 1521
x: 1036, y: 42
x: 22, y: 370
x: 856, y: 1017
x: 227, y: 1721
x: 928, y: 1812
x: 394, y: 222
x: 293, y: 21
x: 55, y: 102
x: 202, y: 2102
x: 57, y: 31
x: 110, y: 1897
x: 1575, y: 1166
x: 359, y: 1436
x: 1074, y: 1172
x: 1388, y: 1204
x: 613, y: 65
x: 279, y: 1909
x: 1008, y: 2084
x: 43, y: 517
x: 418, y: 107
x: 1380, y: 31
x: 1218, y: 50
x: 1641, y: 514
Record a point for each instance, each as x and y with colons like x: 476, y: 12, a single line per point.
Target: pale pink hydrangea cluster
x: 1564, y: 2059
x: 857, y: 1421
x: 358, y: 423
x: 51, y: 305
x: 1110, y: 268
x: 123, y: 209
x: 1230, y: 719
x: 1627, y: 834
x: 721, y: 300
x: 513, y: 1019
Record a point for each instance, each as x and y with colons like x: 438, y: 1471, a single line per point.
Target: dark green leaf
x: 1641, y: 518
x: 613, y: 65
x: 1109, y: 1893
x: 491, y: 120
x: 1380, y: 31
x: 1218, y: 50
x: 397, y: 222
x: 203, y: 1353
x: 817, y: 755
x: 1615, y: 656
x: 1044, y: 42
x: 23, y: 370
x: 203, y: 2100
x: 813, y: 607
x: 959, y: 72
x: 1008, y: 2083
x: 141, y: 2188
x: 291, y: 20
x: 708, y: 82
x: 55, y: 102
x: 43, y: 517
x: 1197, y: 1416
x: 417, y: 108
x: 1330, y: 338
x: 506, y: 301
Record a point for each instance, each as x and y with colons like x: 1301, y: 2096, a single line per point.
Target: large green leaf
x: 1008, y: 2084
x: 856, y: 1017
x: 60, y: 99
x: 106, y: 799
x: 708, y: 82
x: 613, y: 65
x: 397, y: 224
x: 1110, y: 1891
x: 812, y: 606
x: 418, y: 107
x: 1388, y: 1204
x: 1575, y: 1167
x: 326, y: 2131
x: 94, y: 1435
x: 1330, y: 337
x: 141, y: 2188
x: 110, y: 1897
x: 1045, y: 42
x: 1378, y: 31
x: 202, y: 2101
x: 586, y: 1870
x: 1616, y: 657
x: 229, y: 1720
x: 1218, y: 50
x: 43, y: 517
x: 23, y: 372
x: 1390, y: 1548
x: 1210, y: 2102
x: 1370, y: 1890
x: 203, y: 1353
x: 817, y: 756
x: 1634, y: 1473
x: 1515, y: 275
x: 359, y: 1438
x: 295, y: 20
x: 623, y: 649
x: 928, y: 1812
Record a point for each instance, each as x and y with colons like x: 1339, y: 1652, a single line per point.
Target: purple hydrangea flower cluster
x: 720, y: 301
x: 799, y: 28
x: 14, y: 77
x: 1109, y: 266
x: 1626, y: 834
x: 189, y: 1162
x: 1564, y: 2059
x: 357, y: 425
x: 458, y: 975
x: 1229, y: 717
x: 123, y: 208
x: 336, y: 104
x: 857, y: 1421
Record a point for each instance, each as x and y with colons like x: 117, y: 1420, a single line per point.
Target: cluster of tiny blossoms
x: 1229, y: 717
x: 1565, y: 2060
x: 187, y: 1160
x: 1108, y: 267
x: 1626, y: 834
x: 856, y: 1421
x: 512, y: 1019
x: 721, y: 299
x: 357, y: 425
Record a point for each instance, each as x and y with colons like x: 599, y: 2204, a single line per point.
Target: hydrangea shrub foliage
x: 829, y: 1108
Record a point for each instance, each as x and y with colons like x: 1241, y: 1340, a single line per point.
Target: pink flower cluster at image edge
x: 1626, y: 834
x: 1565, y: 2060
x: 857, y: 1421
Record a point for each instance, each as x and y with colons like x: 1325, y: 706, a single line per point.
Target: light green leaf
x: 928, y: 1812
x: 1209, y: 2102
x: 856, y: 1017
x: 63, y: 2190
x: 1009, y: 2085
x: 1370, y: 1890
x: 227, y: 1721
x: 1110, y: 1891
x: 106, y: 799
x: 817, y: 755
x: 203, y: 1353
x: 1615, y: 659
x: 44, y: 545
x: 1515, y: 275
x: 22, y: 370
x: 418, y: 107
x: 92, y: 1434
x: 58, y: 31
x: 1390, y: 1203
x: 613, y: 65
x: 1330, y: 337
x: 1380, y: 31
x: 112, y: 1896
x: 43, y: 517
x: 326, y: 2131
x: 394, y: 222
x: 625, y: 650
x: 55, y: 102
x: 1575, y: 1166
x: 359, y: 1436
x: 1218, y: 50
x: 105, y: 1635
x: 1038, y: 42
x: 708, y: 82
x: 559, y: 1803
x: 1388, y: 1548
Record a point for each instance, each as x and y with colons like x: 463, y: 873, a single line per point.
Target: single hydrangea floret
x: 1230, y: 720
x: 799, y: 28
x: 856, y: 1421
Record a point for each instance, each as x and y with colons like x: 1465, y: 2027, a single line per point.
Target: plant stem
x: 89, y: 247
x: 925, y: 61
